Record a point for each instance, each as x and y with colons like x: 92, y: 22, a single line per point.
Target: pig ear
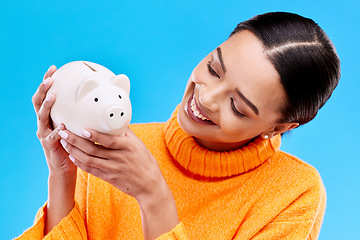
x: 86, y: 86
x: 121, y: 81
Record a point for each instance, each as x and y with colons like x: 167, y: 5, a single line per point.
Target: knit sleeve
x: 70, y: 227
x: 302, y: 219
x: 178, y: 233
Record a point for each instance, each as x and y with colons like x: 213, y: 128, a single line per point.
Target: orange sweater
x: 256, y: 192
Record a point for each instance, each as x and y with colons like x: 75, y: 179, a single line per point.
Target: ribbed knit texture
x: 256, y: 192
x: 208, y: 163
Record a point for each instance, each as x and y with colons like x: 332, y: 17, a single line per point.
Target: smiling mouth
x: 196, y: 111
x: 195, y: 114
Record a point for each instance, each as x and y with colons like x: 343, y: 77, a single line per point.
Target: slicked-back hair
x: 304, y: 57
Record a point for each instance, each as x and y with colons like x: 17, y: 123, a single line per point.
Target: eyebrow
x: 221, y: 59
x: 248, y: 102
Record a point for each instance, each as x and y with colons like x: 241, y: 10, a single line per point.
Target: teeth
x: 196, y: 111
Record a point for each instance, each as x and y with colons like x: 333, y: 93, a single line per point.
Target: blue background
x: 157, y: 44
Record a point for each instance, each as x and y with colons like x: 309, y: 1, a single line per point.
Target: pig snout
x: 115, y: 118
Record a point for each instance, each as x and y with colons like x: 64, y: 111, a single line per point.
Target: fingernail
x: 46, y: 81
x: 63, y: 134
x: 61, y: 127
x: 72, y: 158
x: 50, y: 68
x: 85, y: 133
x: 49, y: 97
x: 63, y: 143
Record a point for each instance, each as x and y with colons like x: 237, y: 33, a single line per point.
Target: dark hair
x: 304, y: 57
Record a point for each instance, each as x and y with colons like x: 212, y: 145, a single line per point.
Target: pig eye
x: 96, y: 99
x: 120, y: 96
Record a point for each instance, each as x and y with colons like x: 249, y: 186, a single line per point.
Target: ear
x: 121, y: 81
x: 86, y: 86
x: 279, y: 129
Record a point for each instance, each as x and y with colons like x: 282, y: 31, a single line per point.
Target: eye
x: 96, y: 99
x: 120, y: 96
x: 239, y: 114
x: 212, y: 71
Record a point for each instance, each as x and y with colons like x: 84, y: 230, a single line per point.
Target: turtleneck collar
x: 204, y: 162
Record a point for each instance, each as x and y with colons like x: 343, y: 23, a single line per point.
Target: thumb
x: 51, y: 142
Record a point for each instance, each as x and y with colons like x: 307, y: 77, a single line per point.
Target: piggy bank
x: 89, y: 95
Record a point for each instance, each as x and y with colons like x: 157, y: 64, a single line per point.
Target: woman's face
x: 233, y: 95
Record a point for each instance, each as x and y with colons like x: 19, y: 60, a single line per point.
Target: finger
x: 129, y: 132
x: 132, y: 135
x: 102, y: 173
x: 83, y: 145
x: 117, y: 142
x: 51, y: 142
x: 40, y: 94
x: 87, y: 168
x: 44, y: 120
x: 49, y: 72
x: 87, y: 161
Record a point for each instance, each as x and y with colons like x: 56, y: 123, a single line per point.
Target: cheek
x: 239, y: 129
x: 230, y: 125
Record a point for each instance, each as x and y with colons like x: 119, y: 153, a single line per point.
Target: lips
x: 195, y: 112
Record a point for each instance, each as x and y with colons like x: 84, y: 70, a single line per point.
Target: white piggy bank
x: 89, y: 95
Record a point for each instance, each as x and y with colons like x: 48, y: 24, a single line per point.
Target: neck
x: 195, y: 156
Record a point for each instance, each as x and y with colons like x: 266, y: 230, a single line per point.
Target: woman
x: 214, y: 170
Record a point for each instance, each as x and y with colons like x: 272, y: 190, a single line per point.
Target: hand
x: 56, y: 157
x: 126, y: 163
x: 62, y: 172
x: 123, y: 161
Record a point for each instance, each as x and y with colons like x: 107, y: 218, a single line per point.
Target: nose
x: 210, y: 96
x: 115, y: 118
